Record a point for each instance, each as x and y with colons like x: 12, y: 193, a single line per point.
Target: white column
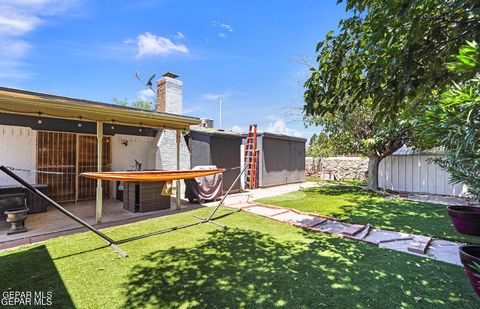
x: 178, y: 189
x: 99, y: 205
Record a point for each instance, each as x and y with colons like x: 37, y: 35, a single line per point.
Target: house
x: 50, y: 139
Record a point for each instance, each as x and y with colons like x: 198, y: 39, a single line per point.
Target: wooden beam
x: 178, y: 187
x: 99, y: 204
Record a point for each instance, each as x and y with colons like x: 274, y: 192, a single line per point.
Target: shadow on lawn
x: 33, y: 270
x: 238, y: 268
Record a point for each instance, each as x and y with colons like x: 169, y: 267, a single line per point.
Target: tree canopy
x: 453, y: 122
x: 382, y: 66
x: 140, y: 104
x: 391, y: 52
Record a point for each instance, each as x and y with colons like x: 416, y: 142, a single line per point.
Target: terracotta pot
x: 466, y: 219
x: 468, y: 255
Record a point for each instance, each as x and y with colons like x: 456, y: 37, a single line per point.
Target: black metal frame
x: 112, y: 243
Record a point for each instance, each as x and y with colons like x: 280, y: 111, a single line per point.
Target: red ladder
x: 251, y: 158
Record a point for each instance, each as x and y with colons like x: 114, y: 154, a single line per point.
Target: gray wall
x: 222, y: 150
x: 414, y: 173
x: 282, y: 159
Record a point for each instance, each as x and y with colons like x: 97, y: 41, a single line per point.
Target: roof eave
x: 32, y: 105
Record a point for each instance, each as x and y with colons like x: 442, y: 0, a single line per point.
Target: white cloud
x: 225, y: 28
x: 15, y: 22
x: 146, y: 94
x: 151, y: 45
x: 17, y: 19
x: 215, y: 96
x: 236, y: 129
x: 179, y: 35
x: 280, y: 127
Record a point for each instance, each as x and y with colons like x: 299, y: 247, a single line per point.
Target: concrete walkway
x: 259, y: 193
x: 437, y: 249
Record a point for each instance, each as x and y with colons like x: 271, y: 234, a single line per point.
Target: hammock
x: 152, y: 175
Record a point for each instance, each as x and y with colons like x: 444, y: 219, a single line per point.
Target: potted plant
x: 466, y: 219
x: 470, y: 257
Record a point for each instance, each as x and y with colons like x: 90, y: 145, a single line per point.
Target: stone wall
x: 336, y: 168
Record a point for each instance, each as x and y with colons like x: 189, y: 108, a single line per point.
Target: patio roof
x: 16, y: 101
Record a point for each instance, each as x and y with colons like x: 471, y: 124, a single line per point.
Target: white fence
x: 413, y: 173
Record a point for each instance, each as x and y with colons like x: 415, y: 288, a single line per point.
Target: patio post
x: 179, y: 133
x: 99, y: 204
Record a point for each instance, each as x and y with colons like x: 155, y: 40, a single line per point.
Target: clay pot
x: 466, y: 219
x: 468, y: 255
x: 16, y: 217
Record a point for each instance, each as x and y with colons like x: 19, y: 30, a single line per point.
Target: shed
x: 214, y: 147
x: 281, y: 159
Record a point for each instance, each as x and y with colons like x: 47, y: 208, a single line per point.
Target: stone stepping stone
x: 309, y: 222
x: 444, y: 250
x: 240, y: 205
x: 353, y: 229
x: 332, y: 227
x: 300, y: 220
x: 265, y: 211
x: 380, y: 236
x: 420, y: 244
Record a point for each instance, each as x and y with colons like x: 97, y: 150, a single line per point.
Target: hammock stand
x: 111, y: 242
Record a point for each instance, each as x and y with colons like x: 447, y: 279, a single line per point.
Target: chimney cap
x: 171, y: 75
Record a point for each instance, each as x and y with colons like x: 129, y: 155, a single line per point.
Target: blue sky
x: 251, y: 54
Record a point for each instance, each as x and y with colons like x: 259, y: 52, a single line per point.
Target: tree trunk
x: 373, y: 162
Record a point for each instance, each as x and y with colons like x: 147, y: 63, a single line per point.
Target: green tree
x: 388, y: 60
x: 139, y: 104
x: 358, y: 132
x: 391, y: 52
x: 320, y: 146
x: 453, y: 122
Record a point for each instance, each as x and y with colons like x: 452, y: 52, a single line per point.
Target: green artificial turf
x: 255, y: 263
x: 355, y: 205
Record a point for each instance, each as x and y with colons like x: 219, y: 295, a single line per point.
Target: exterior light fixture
x: 39, y: 121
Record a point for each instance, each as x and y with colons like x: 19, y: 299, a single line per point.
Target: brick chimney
x: 169, y: 90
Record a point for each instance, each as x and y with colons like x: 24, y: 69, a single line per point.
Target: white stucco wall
x: 141, y: 148
x: 18, y: 148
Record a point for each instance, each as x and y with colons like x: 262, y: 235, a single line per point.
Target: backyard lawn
x: 255, y: 263
x: 355, y: 205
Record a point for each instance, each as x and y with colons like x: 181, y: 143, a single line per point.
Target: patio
x: 42, y: 226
